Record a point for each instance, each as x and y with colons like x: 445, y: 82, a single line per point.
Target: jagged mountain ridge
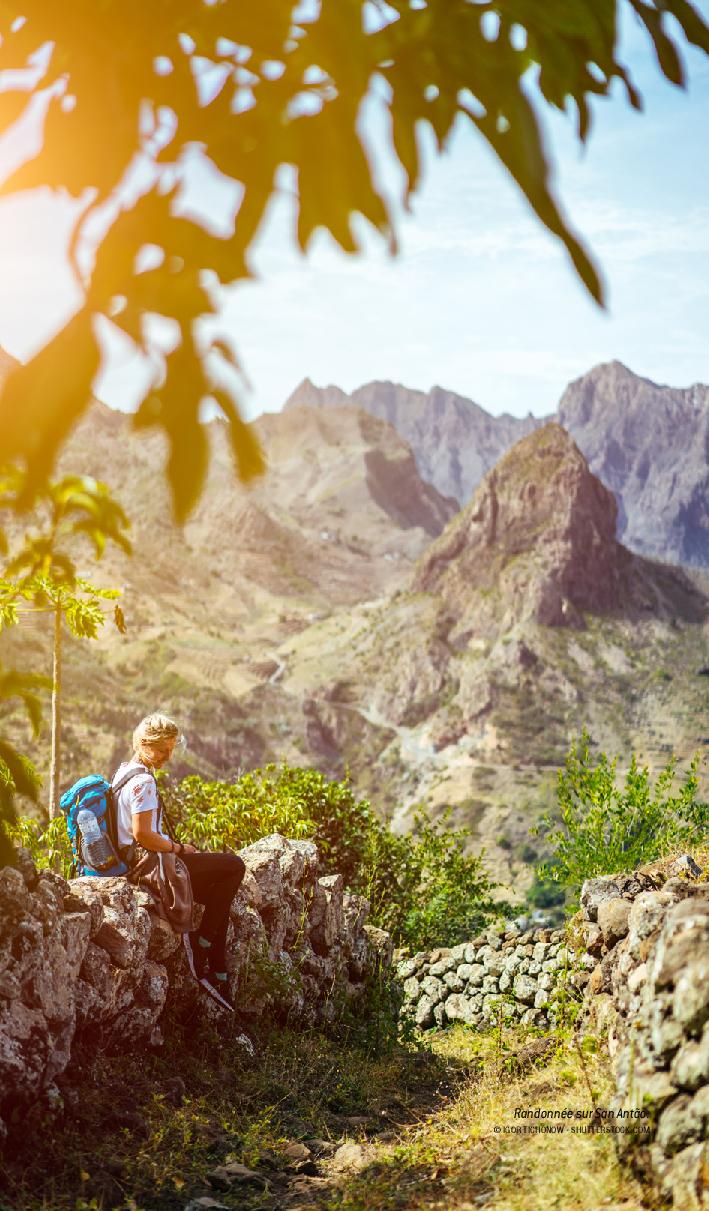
x: 649, y: 444
x: 455, y: 441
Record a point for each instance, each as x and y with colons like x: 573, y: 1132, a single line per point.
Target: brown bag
x: 167, y: 879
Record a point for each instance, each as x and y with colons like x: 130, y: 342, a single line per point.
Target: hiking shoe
x: 197, y: 956
x: 218, y: 991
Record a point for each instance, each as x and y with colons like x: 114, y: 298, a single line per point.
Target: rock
x: 296, y: 1153
x: 380, y: 945
x: 459, y: 1009
x: 690, y: 1067
x: 234, y: 1173
x: 684, y: 867
x: 678, y: 1125
x: 408, y: 968
x: 423, y: 1014
x: 10, y: 988
x: 600, y: 979
x: 453, y: 981
x: 209, y: 1204
x: 262, y: 860
x: 593, y: 936
x: 690, y: 1003
x: 24, y: 863
x: 685, y: 934
x: 439, y: 1015
x: 607, y: 887
x: 85, y: 896
x: 57, y: 881
x: 14, y: 898
x: 494, y: 964
x: 434, y: 989
x: 524, y: 989
x: 442, y: 966
x: 637, y: 977
x: 505, y: 981
x: 612, y: 916
x: 351, y: 1157
x: 594, y: 892
x: 164, y: 942
x: 411, y: 989
x: 684, y: 1179
x: 666, y: 1033
x: 651, y: 1089
x: 471, y: 973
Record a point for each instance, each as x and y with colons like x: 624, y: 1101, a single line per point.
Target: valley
x: 343, y: 613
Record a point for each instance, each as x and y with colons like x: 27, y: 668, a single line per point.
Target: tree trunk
x: 55, y: 768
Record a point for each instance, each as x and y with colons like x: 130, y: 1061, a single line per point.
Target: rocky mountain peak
x: 308, y: 395
x: 537, y: 542
x: 649, y: 444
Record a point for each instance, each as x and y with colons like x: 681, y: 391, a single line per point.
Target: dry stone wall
x: 503, y: 970
x: 86, y: 964
x: 637, y: 958
x: 650, y: 993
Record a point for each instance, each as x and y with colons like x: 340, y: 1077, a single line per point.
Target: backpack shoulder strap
x: 126, y: 777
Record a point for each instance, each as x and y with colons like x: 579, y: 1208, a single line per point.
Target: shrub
x: 600, y: 827
x: 422, y: 887
x: 47, y: 843
x: 545, y: 893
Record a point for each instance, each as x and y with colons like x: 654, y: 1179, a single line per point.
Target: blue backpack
x: 98, y: 796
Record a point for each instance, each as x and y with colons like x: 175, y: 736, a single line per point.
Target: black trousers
x: 215, y: 878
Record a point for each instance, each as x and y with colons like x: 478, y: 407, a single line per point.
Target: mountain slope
x: 524, y: 622
x: 340, y: 517
x: 650, y: 445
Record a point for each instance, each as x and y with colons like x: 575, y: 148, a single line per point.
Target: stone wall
x: 650, y: 992
x: 501, y: 970
x: 637, y: 957
x: 85, y: 964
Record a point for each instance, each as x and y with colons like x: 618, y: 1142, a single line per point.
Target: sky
x: 481, y: 300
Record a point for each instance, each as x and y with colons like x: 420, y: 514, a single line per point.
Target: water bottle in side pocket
x: 96, y: 849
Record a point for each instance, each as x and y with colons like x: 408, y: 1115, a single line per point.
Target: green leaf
x: 434, y: 62
x: 40, y: 401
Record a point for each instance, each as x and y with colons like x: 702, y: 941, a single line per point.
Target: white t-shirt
x: 137, y: 796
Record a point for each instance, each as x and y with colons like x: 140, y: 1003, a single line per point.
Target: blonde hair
x: 151, y: 736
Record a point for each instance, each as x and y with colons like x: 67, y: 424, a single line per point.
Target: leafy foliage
x: 422, y: 887
x: 600, y: 827
x: 47, y: 843
x: 17, y: 774
x: 75, y: 506
x: 247, y: 87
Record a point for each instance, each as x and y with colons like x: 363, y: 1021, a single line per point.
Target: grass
x: 147, y: 1129
x: 460, y: 1157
